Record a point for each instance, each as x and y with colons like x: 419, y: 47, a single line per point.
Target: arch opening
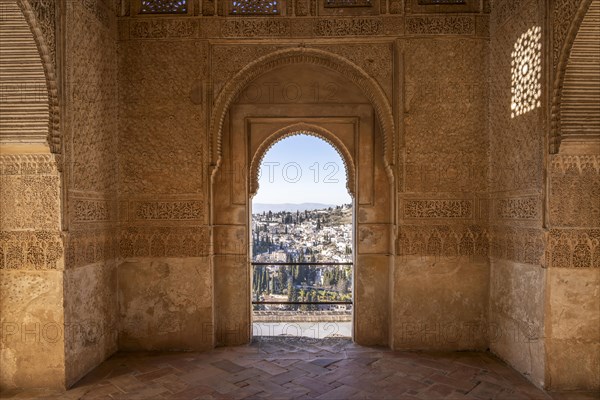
x: 302, y: 236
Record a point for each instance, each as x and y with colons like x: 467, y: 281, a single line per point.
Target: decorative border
x: 522, y: 207
x: 89, y: 247
x: 437, y: 208
x: 26, y: 250
x: 242, y: 27
x: 440, y: 25
x: 164, y: 242
x: 580, y: 163
x: 91, y: 210
x: 28, y: 164
x: 522, y: 245
x: 168, y: 210
x: 443, y: 240
x: 573, y: 248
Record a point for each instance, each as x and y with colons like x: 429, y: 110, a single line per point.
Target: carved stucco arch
x: 54, y: 140
x: 305, y: 55
x: 559, y: 73
x: 302, y: 129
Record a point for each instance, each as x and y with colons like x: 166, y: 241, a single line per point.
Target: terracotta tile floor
x: 300, y: 368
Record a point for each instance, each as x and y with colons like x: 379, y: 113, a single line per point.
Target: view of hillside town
x: 302, y: 237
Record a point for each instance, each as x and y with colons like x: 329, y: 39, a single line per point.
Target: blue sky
x: 302, y: 169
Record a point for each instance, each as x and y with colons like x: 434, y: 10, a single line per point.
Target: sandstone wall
x: 31, y: 244
x: 441, y: 270
x: 165, y: 274
x: 31, y: 270
x: 573, y: 275
x: 517, y: 150
x: 90, y: 126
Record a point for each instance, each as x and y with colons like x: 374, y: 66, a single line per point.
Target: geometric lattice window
x: 526, y: 69
x: 164, y: 7
x: 254, y: 7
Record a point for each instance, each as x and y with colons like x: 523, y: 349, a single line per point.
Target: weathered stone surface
x: 573, y: 328
x: 165, y: 304
x: 91, y: 317
x: 573, y: 364
x: 516, y: 325
x: 32, y: 352
x: 440, y: 303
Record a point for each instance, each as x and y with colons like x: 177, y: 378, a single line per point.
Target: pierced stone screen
x: 526, y: 70
x: 163, y: 7
x: 255, y: 7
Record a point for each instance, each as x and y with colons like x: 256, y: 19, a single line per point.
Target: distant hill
x: 259, y: 208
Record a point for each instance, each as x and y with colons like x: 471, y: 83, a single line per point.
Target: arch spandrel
x: 303, y: 55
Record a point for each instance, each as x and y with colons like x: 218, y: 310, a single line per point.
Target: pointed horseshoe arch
x: 354, y: 73
x: 559, y: 74
x: 303, y: 129
x: 54, y: 139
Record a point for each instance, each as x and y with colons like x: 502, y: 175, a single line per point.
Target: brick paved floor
x: 297, y: 368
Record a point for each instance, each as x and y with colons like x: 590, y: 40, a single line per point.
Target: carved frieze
x: 28, y: 164
x: 168, y: 210
x: 89, y: 247
x: 573, y: 248
x: 348, y: 27
x: 527, y: 207
x: 574, y: 190
x: 277, y: 27
x: 31, y: 250
x: 86, y: 210
x: 164, y: 242
x: 440, y: 25
x: 443, y: 240
x: 523, y: 245
x: 29, y: 192
x: 426, y: 209
x: 162, y: 28
x: 255, y: 27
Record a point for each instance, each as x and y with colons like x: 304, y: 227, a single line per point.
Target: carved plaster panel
x: 164, y: 242
x: 26, y: 250
x: 30, y: 192
x: 575, y: 190
x: 443, y: 240
x: 573, y: 248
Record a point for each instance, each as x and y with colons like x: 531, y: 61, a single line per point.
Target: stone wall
x: 31, y: 244
x: 90, y: 127
x: 169, y: 76
x: 165, y: 274
x: 517, y: 149
x: 31, y: 269
x: 573, y: 275
x: 442, y: 239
